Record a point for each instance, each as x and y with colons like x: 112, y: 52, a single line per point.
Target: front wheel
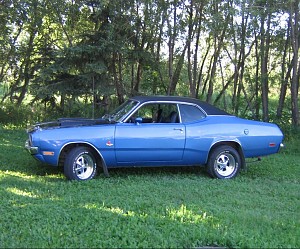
x: 224, y: 162
x: 80, y: 164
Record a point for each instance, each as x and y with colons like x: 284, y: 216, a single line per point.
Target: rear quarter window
x: 190, y: 113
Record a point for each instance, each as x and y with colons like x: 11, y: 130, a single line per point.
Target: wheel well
x: 69, y: 147
x: 234, y: 145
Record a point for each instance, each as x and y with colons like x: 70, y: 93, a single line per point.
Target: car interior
x: 157, y: 113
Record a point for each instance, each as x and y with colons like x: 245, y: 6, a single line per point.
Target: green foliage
x: 157, y: 208
x: 16, y: 115
x: 24, y: 115
x: 94, y: 49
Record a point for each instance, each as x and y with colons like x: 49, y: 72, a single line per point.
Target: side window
x: 147, y: 113
x: 157, y: 113
x: 190, y: 113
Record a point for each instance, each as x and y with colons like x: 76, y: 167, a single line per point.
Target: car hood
x: 67, y: 122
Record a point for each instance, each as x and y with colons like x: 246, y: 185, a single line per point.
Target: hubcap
x: 225, y: 164
x: 84, y: 166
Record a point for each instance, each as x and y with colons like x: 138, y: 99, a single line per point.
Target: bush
x: 24, y: 115
x: 13, y: 114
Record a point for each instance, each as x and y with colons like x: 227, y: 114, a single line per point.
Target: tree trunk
x: 195, y: 25
x: 117, y: 74
x: 171, y: 44
x: 284, y: 76
x: 175, y: 77
x: 257, y: 97
x: 296, y: 66
x: 28, y: 69
x: 265, y: 45
x: 219, y: 41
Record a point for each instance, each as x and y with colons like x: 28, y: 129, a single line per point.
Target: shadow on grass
x: 69, y: 214
x: 158, y: 171
x: 144, y: 207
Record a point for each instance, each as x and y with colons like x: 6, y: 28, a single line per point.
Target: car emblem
x: 246, y: 131
x: 109, y: 144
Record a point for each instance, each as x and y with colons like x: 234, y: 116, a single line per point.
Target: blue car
x: 154, y: 131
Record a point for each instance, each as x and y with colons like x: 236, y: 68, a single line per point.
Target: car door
x: 149, y: 142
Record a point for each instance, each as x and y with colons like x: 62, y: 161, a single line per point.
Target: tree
x: 295, y: 36
x: 195, y: 18
x: 238, y: 51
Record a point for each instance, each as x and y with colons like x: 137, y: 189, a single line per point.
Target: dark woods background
x: 82, y: 58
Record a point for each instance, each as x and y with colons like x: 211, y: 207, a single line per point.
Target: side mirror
x: 138, y: 120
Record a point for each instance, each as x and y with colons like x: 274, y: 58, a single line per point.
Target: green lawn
x: 160, y: 207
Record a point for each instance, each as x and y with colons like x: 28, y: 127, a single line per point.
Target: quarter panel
x: 254, y: 137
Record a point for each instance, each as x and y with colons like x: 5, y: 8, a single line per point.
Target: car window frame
x: 177, y: 103
x: 194, y: 105
x: 124, y: 116
x: 125, y: 120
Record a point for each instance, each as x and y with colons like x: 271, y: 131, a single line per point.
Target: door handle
x: 178, y: 129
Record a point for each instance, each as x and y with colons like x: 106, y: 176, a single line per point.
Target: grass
x: 160, y: 207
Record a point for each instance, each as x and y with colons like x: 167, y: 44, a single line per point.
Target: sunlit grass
x: 157, y: 208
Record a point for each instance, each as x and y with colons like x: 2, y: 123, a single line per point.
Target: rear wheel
x: 80, y: 164
x: 224, y: 162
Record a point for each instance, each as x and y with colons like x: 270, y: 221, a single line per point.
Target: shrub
x: 13, y: 114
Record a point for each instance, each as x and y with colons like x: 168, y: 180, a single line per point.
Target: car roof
x: 208, y: 108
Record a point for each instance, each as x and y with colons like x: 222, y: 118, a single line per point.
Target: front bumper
x: 31, y: 149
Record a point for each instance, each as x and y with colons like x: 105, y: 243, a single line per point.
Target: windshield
x: 120, y: 111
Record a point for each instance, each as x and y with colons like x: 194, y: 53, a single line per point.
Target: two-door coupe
x: 154, y: 131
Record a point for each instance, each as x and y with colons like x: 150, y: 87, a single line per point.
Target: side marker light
x: 48, y: 153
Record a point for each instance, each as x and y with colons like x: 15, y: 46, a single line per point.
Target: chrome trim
x: 31, y: 149
x: 224, y: 141
x: 81, y: 142
x: 125, y: 118
x: 128, y: 114
x: 177, y: 103
x: 179, y: 114
x: 281, y: 146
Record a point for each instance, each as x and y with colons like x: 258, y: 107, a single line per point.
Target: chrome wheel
x: 80, y: 164
x: 84, y: 166
x: 225, y: 164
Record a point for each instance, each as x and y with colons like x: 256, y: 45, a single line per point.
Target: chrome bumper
x: 281, y: 147
x: 32, y: 149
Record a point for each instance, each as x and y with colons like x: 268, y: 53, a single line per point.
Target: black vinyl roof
x: 208, y: 108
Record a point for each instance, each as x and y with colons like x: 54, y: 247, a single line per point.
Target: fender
x: 71, y: 145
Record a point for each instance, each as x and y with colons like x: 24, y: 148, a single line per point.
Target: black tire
x: 224, y: 162
x: 80, y: 164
